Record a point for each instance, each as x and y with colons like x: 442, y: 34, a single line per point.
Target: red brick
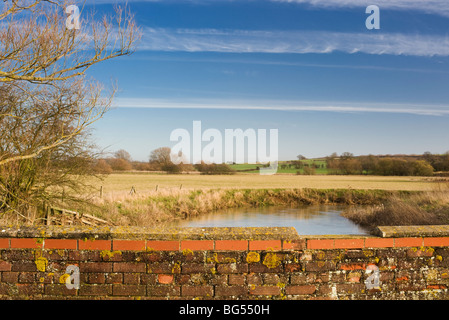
x: 302, y: 278
x: 354, y: 277
x: 128, y: 245
x: 96, y: 267
x: 379, y: 243
x: 420, y: 252
x: 224, y: 257
x: 96, y: 278
x: 408, y: 242
x: 436, y: 242
x: 350, y: 288
x: 129, y: 267
x: 198, y: 268
x: 60, y: 244
x: 128, y: 290
x: 403, y: 278
x: 320, y: 243
x: 4, y: 243
x: 94, y: 290
x: 197, y: 244
x: 437, y: 286
x: 57, y: 289
x: 320, y: 266
x: 300, y: 290
x: 30, y: 289
x: 262, y: 268
x: 162, y: 245
x: 349, y: 243
x: 265, y: 245
x: 23, y: 266
x: 232, y: 268
x: 131, y: 278
x: 231, y: 291
x: 163, y: 291
x: 5, y: 266
x: 231, y: 245
x: 294, y: 244
x: 94, y: 244
x: 292, y: 267
x: 6, y: 289
x: 163, y: 267
x: 197, y: 291
x: 148, y: 279
x: 27, y: 277
x: 114, y: 278
x: 10, y: 277
x: 24, y: 243
x: 353, y: 266
x: 237, y: 279
x: 165, y: 278
x: 265, y: 290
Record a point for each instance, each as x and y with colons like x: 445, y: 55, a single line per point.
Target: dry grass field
x: 142, y: 182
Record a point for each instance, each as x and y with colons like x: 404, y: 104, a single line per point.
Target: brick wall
x: 221, y: 263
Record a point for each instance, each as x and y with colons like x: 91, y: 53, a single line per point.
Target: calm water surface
x: 309, y: 220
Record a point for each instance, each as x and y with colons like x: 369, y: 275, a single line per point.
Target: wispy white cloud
x: 241, y: 41
x: 438, y: 7
x: 281, y: 105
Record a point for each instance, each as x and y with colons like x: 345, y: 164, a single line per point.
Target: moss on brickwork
x: 109, y: 254
x: 41, y: 264
x: 319, y: 269
x: 271, y: 260
x: 253, y: 257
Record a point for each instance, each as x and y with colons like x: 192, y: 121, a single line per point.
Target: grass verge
x: 422, y: 208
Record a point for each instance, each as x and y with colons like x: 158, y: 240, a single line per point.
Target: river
x: 307, y: 220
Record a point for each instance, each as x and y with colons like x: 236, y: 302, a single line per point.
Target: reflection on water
x: 309, y: 220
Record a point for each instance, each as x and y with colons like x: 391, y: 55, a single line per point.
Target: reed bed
x: 423, y: 208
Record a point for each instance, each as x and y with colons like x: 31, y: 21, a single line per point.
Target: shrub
x: 102, y: 167
x: 119, y: 164
x: 214, y: 168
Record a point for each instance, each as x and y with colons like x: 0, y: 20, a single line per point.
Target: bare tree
x: 47, y: 104
x: 40, y: 118
x: 36, y: 47
x: 122, y: 154
x: 161, y: 159
x: 161, y: 156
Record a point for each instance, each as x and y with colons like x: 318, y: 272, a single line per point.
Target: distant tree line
x: 425, y: 165
x: 159, y: 160
x: 344, y: 164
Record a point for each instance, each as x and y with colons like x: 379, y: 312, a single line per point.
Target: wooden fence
x: 57, y: 216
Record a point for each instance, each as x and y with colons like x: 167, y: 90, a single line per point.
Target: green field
x: 285, y: 167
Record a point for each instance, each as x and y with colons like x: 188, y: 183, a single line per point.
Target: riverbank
x: 165, y: 206
x: 367, y: 208
x: 422, y: 208
x: 160, y: 200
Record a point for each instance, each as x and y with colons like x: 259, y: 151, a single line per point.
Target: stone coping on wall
x: 413, y: 231
x: 233, y: 239
x: 143, y: 233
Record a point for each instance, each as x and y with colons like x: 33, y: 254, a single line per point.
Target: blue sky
x: 309, y: 68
